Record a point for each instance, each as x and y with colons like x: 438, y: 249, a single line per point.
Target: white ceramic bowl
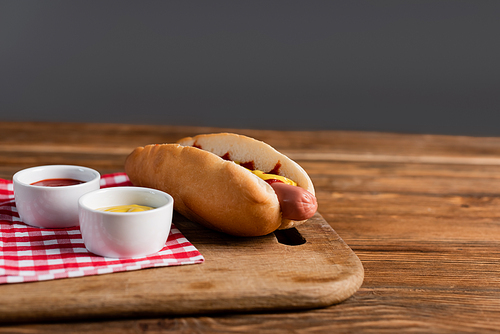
x: 125, y: 234
x: 52, y: 207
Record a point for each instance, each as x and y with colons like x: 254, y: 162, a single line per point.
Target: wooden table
x: 422, y: 212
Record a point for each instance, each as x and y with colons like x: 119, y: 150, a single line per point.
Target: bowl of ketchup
x: 47, y: 196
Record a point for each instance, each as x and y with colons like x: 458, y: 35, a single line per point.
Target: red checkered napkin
x: 36, y: 254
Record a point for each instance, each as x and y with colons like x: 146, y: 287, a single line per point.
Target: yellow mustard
x: 265, y: 176
x: 126, y: 208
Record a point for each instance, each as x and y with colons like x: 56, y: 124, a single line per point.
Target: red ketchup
x: 57, y: 182
x: 271, y: 181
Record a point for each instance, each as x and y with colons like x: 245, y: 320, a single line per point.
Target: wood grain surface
x: 420, y: 211
x: 258, y: 274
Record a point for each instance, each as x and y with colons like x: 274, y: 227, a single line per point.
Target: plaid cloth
x: 35, y: 254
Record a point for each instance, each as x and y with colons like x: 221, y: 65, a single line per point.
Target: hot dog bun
x: 215, y: 192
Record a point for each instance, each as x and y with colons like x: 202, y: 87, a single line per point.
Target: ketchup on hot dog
x: 296, y: 203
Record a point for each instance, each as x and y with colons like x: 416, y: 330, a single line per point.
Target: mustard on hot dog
x: 296, y: 203
x: 273, y: 177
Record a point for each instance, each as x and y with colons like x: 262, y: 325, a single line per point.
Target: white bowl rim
x: 170, y: 199
x: 17, y: 175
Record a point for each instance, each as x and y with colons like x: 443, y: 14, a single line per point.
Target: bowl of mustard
x: 125, y: 222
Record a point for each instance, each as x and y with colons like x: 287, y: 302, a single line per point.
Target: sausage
x: 296, y: 203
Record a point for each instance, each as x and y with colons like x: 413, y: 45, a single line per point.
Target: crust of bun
x: 216, y: 193
x: 243, y: 149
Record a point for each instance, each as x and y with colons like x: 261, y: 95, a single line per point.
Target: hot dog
x: 227, y: 182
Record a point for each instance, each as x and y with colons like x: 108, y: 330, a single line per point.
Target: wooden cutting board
x: 238, y: 275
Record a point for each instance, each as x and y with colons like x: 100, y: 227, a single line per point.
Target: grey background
x: 400, y: 66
